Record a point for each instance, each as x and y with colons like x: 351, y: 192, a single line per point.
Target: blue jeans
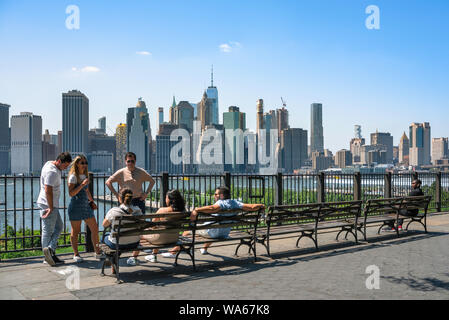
x: 52, y: 227
x: 120, y: 246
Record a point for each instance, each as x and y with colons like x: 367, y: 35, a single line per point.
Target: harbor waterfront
x: 20, y: 225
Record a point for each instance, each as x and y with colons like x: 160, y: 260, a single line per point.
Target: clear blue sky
x: 305, y: 51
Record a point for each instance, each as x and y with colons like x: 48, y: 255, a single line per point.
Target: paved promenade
x: 415, y: 266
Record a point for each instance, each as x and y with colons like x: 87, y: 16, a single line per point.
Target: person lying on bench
x: 416, y: 192
x: 128, y: 242
x: 223, y: 202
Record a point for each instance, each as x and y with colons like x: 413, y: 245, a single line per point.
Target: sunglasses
x: 84, y: 163
x: 130, y: 161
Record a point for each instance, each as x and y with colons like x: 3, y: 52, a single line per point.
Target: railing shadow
x: 167, y: 274
x: 423, y: 284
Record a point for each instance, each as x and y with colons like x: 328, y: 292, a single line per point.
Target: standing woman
x: 81, y: 205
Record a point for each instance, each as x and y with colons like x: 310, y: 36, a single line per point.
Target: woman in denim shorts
x: 82, y: 205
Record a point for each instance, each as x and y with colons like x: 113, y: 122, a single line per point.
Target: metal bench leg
x: 338, y: 234
x: 116, y: 266
x: 193, y: 257
x: 102, y: 268
x: 308, y: 235
x: 262, y: 242
x: 419, y: 221
x: 384, y: 224
x: 254, y: 250
x: 246, y: 243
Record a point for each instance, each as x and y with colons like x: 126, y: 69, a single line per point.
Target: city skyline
x: 360, y: 76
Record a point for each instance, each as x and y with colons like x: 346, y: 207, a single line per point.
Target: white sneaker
x: 151, y: 258
x: 168, y: 255
x: 204, y: 251
x: 131, y: 261
x: 78, y: 259
x: 100, y: 256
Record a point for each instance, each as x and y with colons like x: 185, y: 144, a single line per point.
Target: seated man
x: 223, y: 202
x: 416, y: 192
x: 128, y: 242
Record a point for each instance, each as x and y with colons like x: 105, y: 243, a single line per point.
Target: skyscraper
x: 270, y: 120
x: 404, y: 146
x: 75, y: 122
x: 439, y: 149
x: 161, y: 115
x: 183, y: 115
x: 358, y: 131
x: 234, y: 143
x: 139, y: 133
x: 26, y: 143
x: 320, y: 161
x: 282, y: 118
x: 343, y: 158
x: 316, y: 127
x: 259, y: 125
x: 205, y: 111
x: 121, y: 138
x: 419, y: 144
x: 383, y: 141
x: 102, y: 144
x: 48, y: 147
x: 5, y: 142
x: 164, y: 146
x: 171, y: 111
x: 102, y: 124
x: 212, y: 94
x: 356, y: 149
x: 293, y: 144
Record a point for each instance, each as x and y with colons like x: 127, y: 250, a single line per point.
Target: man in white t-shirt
x: 48, y: 201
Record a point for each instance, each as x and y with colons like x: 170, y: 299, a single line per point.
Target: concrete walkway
x: 415, y: 266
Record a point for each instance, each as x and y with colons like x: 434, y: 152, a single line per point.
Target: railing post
x: 164, y: 189
x: 89, y: 244
x: 279, y: 194
x: 321, y: 196
x: 387, y: 187
x: 227, y: 180
x: 357, y: 186
x: 438, y: 191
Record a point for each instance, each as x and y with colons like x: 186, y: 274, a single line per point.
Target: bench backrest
x: 292, y: 214
x: 376, y: 207
x: 340, y: 210
x: 235, y: 219
x: 416, y: 203
x: 152, y: 224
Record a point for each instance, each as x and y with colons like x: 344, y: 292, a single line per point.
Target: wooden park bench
x: 143, y: 225
x: 243, y: 224
x: 306, y: 220
x: 390, y: 210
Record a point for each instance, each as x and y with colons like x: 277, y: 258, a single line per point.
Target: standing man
x: 132, y: 177
x: 48, y: 201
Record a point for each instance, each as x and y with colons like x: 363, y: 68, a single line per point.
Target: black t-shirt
x: 416, y: 193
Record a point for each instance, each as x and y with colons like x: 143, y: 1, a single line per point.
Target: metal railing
x: 20, y: 224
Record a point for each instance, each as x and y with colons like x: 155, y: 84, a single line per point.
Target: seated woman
x: 128, y: 242
x: 175, y: 204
